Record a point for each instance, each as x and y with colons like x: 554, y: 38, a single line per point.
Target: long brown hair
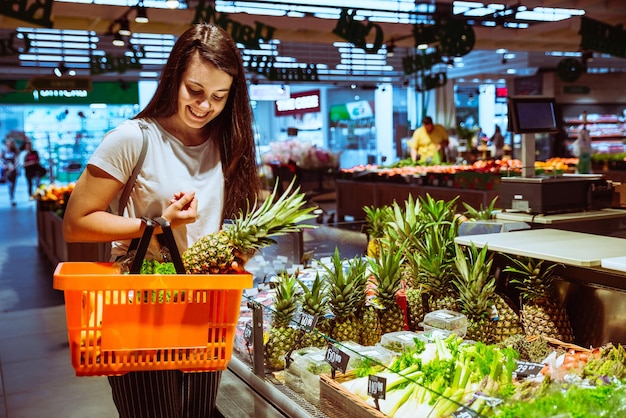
x: 232, y: 129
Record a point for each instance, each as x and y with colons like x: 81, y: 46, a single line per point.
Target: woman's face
x: 202, y: 94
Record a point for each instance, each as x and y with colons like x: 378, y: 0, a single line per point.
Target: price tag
x: 465, y: 413
x: 307, y: 321
x: 526, y: 369
x: 247, y: 333
x: 336, y: 358
x: 376, y: 386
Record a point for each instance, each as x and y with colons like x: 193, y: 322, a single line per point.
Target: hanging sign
x: 35, y: 11
x: 266, y: 66
x: 298, y: 103
x: 8, y: 47
x: 107, y: 63
x: 244, y: 34
x: 421, y: 62
x: 60, y: 83
x: 598, y: 36
x: 356, y: 32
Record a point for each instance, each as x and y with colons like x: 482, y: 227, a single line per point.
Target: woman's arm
x: 86, y: 218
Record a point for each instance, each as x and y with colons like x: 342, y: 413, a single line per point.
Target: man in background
x: 429, y: 142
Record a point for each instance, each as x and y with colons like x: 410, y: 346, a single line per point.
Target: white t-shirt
x: 169, y: 167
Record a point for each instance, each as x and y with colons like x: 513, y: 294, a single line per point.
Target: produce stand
x: 352, y: 195
x: 592, y: 294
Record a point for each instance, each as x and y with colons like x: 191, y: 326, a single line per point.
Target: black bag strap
x: 166, y: 239
x: 133, y: 177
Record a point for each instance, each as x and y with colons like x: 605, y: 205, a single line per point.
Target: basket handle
x: 167, y: 239
x: 141, y: 245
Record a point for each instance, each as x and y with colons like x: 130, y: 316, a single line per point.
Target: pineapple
x: 342, y: 300
x: 314, y: 301
x: 482, y: 213
x: 375, y: 223
x: 281, y: 334
x: 541, y: 311
x: 386, y: 269
x: 437, y: 269
x: 508, y: 323
x: 225, y: 251
x: 366, y: 307
x: 413, y: 289
x: 476, y: 286
x: 404, y: 225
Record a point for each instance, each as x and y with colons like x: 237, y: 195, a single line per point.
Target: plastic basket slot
x: 156, y: 318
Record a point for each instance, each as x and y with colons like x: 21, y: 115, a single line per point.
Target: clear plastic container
x: 398, y: 341
x: 449, y: 322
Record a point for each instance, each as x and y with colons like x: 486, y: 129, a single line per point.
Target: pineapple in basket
x: 342, y: 299
x: 386, y: 269
x: 508, y: 320
x: 314, y: 301
x: 476, y: 286
x: 281, y: 334
x: 225, y: 251
x: 542, y: 313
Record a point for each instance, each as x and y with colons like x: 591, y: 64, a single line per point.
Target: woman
x: 32, y: 166
x: 10, y: 167
x: 497, y: 141
x: 200, y: 169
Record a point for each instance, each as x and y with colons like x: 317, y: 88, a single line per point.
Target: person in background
x: 429, y: 142
x: 33, y: 169
x: 583, y: 150
x: 497, y: 141
x: 200, y: 169
x: 10, y: 167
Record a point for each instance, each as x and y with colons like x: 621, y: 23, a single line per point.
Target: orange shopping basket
x: 119, y: 323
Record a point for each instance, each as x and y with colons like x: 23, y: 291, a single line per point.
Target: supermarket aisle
x: 36, y: 377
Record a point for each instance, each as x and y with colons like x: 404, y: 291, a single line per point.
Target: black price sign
x: 336, y: 358
x: 526, y: 369
x: 307, y: 321
x: 376, y: 386
x: 247, y: 333
x: 464, y: 413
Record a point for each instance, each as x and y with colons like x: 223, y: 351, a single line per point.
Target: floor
x: 36, y: 377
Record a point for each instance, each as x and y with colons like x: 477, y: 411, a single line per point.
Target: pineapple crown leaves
x: 437, y: 267
x: 285, y: 298
x: 314, y: 298
x: 404, y: 224
x: 376, y: 219
x: 386, y: 269
x: 254, y: 228
x: 532, y: 277
x: 342, y: 295
x: 482, y: 213
x: 437, y: 211
x: 475, y: 283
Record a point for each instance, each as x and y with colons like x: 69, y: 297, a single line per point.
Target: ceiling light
x: 124, y: 29
x: 171, y: 4
x: 118, y: 40
x: 142, y: 14
x: 60, y: 70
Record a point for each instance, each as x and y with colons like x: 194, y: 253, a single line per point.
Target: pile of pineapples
x: 438, y: 274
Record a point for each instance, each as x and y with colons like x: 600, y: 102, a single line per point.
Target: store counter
x: 559, y: 246
x: 601, y: 222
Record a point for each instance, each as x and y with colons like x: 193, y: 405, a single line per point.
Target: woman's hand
x: 183, y: 209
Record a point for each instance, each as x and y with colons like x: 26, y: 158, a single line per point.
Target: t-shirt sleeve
x: 119, y: 151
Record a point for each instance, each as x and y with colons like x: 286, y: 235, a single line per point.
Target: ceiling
x: 310, y: 39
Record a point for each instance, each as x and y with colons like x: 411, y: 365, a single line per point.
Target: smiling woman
x: 199, y: 169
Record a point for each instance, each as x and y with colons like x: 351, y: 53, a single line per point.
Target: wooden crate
x: 335, y: 398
